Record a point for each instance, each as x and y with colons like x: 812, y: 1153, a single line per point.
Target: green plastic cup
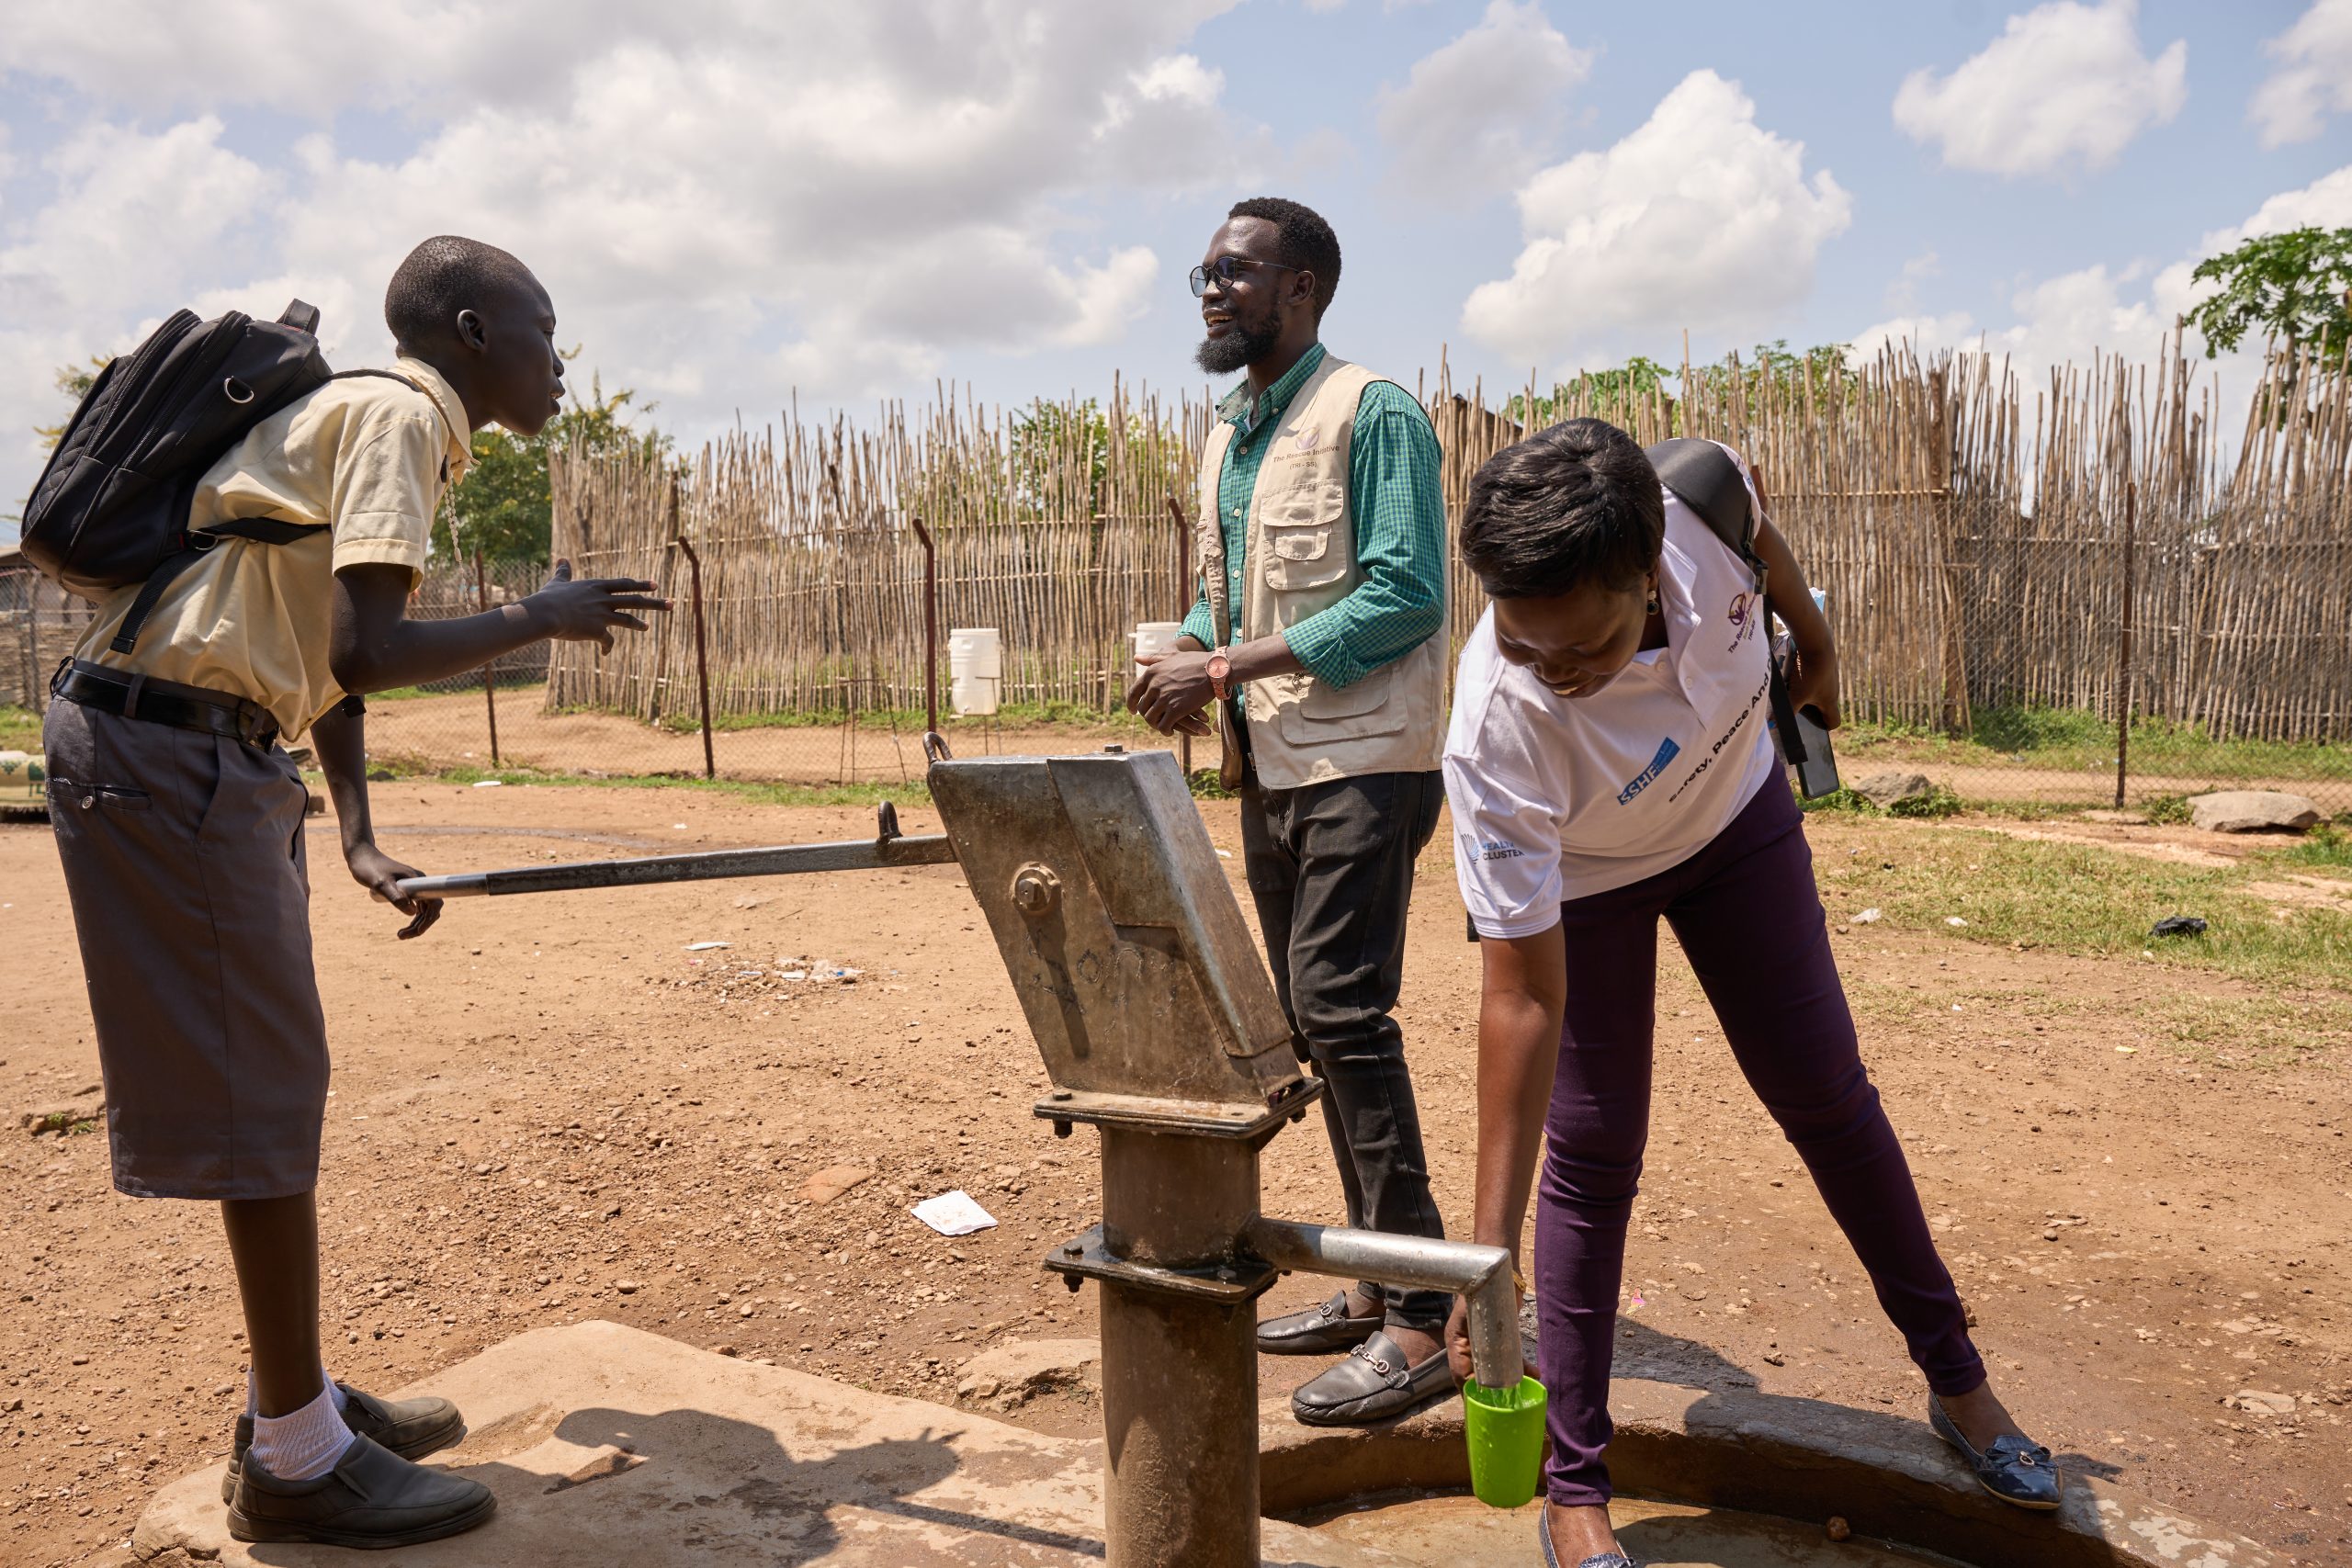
x: 1505, y: 1429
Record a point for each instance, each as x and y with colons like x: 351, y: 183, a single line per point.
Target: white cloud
x: 2131, y: 311
x: 1699, y: 217
x: 2313, y: 78
x: 1473, y: 114
x: 727, y: 200
x: 2064, y: 87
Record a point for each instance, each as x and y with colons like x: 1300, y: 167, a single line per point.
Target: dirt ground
x: 550, y: 1110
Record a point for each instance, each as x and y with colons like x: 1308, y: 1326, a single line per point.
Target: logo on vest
x: 1498, y: 849
x: 1666, y: 751
x: 1306, y: 439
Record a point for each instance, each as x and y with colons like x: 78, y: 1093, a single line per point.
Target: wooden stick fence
x: 1967, y: 530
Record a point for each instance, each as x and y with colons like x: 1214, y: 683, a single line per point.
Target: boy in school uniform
x: 179, y: 824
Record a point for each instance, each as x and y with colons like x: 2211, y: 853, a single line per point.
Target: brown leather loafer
x: 371, y: 1498
x: 1374, y: 1383
x: 1317, y: 1331
x: 409, y: 1427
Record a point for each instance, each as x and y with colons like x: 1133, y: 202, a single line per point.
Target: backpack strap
x: 1706, y: 479
x: 185, y: 551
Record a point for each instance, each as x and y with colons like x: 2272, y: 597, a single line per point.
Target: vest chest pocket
x: 1306, y: 544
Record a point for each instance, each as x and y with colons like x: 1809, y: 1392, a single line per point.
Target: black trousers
x: 1330, y: 868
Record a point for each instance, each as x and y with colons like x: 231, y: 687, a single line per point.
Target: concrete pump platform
x: 606, y: 1444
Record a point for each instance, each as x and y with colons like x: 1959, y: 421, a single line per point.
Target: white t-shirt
x: 1556, y: 799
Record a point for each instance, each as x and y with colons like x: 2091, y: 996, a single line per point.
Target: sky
x: 738, y: 203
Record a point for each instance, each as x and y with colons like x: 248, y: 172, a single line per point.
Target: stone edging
x: 1801, y: 1459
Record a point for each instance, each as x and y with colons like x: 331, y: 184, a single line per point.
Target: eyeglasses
x: 1227, y: 271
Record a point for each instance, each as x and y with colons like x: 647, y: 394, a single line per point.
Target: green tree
x: 74, y: 381
x: 504, y: 506
x: 2295, y: 287
x: 1637, y: 378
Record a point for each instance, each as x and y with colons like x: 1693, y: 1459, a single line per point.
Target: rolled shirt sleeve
x: 1200, y: 624
x: 1399, y: 513
x: 386, y: 482
x: 1506, y: 852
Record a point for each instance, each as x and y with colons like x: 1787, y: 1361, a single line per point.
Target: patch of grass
x: 403, y: 693
x: 2326, y: 847
x: 19, y: 728
x: 1077, y: 718
x: 2075, y: 738
x: 762, y: 794
x: 1203, y: 784
x: 64, y: 1123
x: 1938, y: 802
x: 2166, y: 810
x: 2074, y: 898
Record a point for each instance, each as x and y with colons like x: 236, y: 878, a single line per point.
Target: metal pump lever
x: 887, y: 849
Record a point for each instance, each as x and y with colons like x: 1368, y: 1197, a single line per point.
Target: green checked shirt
x: 1399, y: 513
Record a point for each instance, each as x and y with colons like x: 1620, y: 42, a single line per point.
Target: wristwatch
x: 1221, y: 674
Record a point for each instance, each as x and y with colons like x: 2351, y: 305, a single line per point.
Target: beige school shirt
x: 364, y: 461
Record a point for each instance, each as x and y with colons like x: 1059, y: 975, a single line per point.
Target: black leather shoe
x: 1317, y: 1331
x: 371, y: 1498
x: 1552, y: 1557
x: 409, y: 1427
x: 1374, y: 1383
x: 2015, y: 1470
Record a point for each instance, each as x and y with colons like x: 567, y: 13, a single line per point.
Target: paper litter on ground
x: 488, y: 783
x: 954, y: 1213
x: 706, y: 946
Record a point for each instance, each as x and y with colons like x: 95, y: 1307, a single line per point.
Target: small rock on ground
x: 1887, y: 791
x: 1007, y: 1377
x: 2252, y: 811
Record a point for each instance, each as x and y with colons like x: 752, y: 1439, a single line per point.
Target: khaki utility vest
x: 1301, y: 557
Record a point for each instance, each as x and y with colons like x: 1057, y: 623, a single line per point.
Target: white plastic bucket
x: 1154, y: 638
x: 974, y: 669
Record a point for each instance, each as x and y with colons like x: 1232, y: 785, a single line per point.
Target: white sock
x: 304, y: 1445
x: 252, y: 1390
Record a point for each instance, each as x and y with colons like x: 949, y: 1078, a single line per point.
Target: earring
x: 1652, y: 607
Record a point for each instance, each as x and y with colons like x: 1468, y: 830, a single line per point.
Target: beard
x: 1243, y: 344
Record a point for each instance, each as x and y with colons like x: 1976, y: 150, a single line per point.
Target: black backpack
x: 111, y: 508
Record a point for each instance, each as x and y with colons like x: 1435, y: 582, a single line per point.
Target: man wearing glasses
x: 1322, y: 536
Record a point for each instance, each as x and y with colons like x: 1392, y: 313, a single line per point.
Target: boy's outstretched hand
x: 381, y: 875
x: 588, y: 610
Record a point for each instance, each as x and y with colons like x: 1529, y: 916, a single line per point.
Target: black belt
x: 164, y: 701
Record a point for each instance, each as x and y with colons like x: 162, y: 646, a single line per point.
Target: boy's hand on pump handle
x: 381, y: 874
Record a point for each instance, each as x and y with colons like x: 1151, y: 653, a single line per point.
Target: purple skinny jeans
x: 1746, y: 912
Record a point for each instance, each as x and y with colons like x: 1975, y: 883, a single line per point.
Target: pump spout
x: 1480, y: 1273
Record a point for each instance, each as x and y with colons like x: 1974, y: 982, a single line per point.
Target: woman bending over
x: 1610, y: 763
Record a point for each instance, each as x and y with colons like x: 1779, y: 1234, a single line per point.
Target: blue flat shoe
x: 1552, y: 1557
x: 2015, y: 1470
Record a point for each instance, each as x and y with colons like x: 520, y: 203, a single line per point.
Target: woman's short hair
x: 1573, y: 504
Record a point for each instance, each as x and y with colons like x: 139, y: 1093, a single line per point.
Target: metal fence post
x: 2123, y: 656
x: 489, y: 670
x: 1184, y: 570
x: 930, y: 630
x: 702, y: 655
